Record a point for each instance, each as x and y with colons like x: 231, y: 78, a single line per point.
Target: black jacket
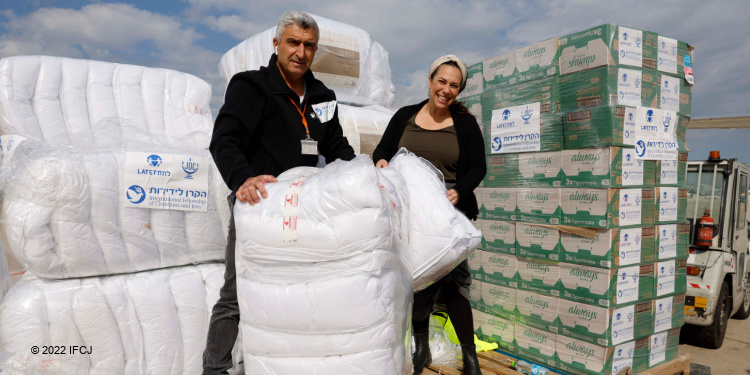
x: 472, y: 165
x: 258, y: 129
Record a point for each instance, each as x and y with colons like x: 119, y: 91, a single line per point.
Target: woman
x: 442, y: 130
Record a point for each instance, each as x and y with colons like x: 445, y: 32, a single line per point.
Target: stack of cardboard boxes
x: 587, y: 130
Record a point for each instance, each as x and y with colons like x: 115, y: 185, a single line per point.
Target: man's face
x: 295, y: 51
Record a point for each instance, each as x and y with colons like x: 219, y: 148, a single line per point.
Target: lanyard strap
x: 301, y: 113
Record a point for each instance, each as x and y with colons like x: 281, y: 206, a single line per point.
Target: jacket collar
x: 279, y: 86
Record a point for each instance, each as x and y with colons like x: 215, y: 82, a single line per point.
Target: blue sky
x: 192, y: 35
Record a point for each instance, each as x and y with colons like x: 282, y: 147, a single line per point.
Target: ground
x: 734, y: 355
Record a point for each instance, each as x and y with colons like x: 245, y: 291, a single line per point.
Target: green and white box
x: 675, y: 94
x: 536, y: 310
x: 499, y: 300
x: 540, y: 276
x: 672, y: 240
x: 499, y: 269
x: 606, y: 167
x: 683, y: 240
x: 475, y: 264
x: 599, y: 126
x: 498, y: 71
x: 608, y: 86
x: 611, y: 248
x: 606, y: 287
x: 670, y: 277
x: 539, y: 242
x: 544, y: 90
x: 607, y: 45
x: 474, y: 82
x: 499, y: 236
x: 669, y: 312
x: 672, y: 205
x: 538, y: 205
x: 537, y: 61
x: 498, y: 203
x: 607, y: 208
x: 681, y: 132
x: 604, y: 326
x: 633, y: 355
x: 672, y: 172
x: 662, y: 347
x: 502, y: 171
x: 540, y: 169
x: 495, y: 329
x: 474, y: 104
x: 521, y: 128
x: 582, y: 358
x: 536, y: 344
x: 475, y: 294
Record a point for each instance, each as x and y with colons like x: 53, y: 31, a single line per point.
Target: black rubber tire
x: 744, y: 311
x: 713, y: 336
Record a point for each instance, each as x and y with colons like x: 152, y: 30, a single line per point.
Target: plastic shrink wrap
x: 320, y: 284
x: 348, y: 61
x: 146, y: 323
x: 68, y: 211
x: 364, y: 126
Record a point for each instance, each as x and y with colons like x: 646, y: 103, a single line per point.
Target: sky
x: 192, y: 35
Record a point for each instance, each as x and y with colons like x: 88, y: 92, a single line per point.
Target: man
x: 273, y: 119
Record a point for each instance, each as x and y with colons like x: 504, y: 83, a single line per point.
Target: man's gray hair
x: 297, y: 18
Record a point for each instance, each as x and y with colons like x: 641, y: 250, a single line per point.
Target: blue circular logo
x: 622, y: 215
x: 622, y: 255
x: 154, y: 160
x: 663, y: 174
x: 506, y: 114
x: 318, y: 112
x: 622, y: 95
x: 135, y: 194
x: 625, y: 175
x: 497, y: 144
x: 619, y: 293
x: 661, y: 62
x: 661, y: 249
x: 622, y: 53
x: 640, y: 148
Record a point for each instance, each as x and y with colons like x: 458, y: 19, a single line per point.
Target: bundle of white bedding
x: 348, y: 61
x: 364, y: 126
x: 146, y: 323
x: 321, y: 287
x: 64, y: 212
x: 54, y: 98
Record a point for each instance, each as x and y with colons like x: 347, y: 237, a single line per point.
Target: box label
x: 656, y: 137
x: 666, y: 277
x: 669, y: 172
x: 663, y: 315
x: 627, y: 284
x: 670, y: 93
x: 631, y: 46
x: 630, y: 246
x: 630, y: 206
x: 628, y: 126
x: 658, y: 352
x: 668, y: 204
x: 623, y: 322
x: 667, y: 52
x: 516, y: 129
x: 623, y: 357
x: 629, y: 87
x: 632, y: 168
x: 667, y: 241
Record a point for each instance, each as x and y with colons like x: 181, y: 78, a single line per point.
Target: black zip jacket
x: 472, y: 165
x: 258, y: 129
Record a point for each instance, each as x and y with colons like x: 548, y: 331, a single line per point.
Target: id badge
x: 309, y: 147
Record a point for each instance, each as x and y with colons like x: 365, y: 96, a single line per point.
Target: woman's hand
x: 382, y: 163
x: 452, y: 196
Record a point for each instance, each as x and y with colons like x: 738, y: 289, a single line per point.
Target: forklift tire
x: 744, y: 311
x: 713, y: 336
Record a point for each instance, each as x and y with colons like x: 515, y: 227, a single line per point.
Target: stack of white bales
x: 66, y: 215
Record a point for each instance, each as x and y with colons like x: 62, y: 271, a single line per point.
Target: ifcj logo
x: 622, y: 95
x: 622, y: 53
x: 135, y: 194
x: 154, y: 160
x: 650, y: 115
x: 506, y: 114
x: 189, y: 167
x: 661, y: 61
x: 497, y: 144
x: 640, y: 148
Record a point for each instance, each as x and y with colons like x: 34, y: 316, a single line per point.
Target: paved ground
x: 733, y: 357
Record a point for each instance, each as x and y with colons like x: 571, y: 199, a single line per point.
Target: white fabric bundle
x: 53, y: 98
x: 64, y: 214
x: 440, y: 237
x: 365, y: 78
x: 146, y: 323
x: 320, y: 285
x: 364, y: 126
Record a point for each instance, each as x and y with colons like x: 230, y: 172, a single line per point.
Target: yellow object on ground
x: 445, y: 322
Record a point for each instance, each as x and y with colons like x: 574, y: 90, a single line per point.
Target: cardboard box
x: 669, y: 312
x: 495, y: 329
x: 475, y: 264
x: 599, y: 126
x: 606, y: 167
x: 537, y: 242
x: 498, y: 203
x: 672, y: 205
x: 502, y: 171
x: 681, y: 133
x: 672, y: 172
x: 605, y: 326
x: 612, y: 248
x: 536, y: 310
x: 499, y: 269
x: 538, y: 205
x: 582, y: 358
x: 662, y: 347
x: 540, y: 276
x: 474, y: 104
x: 607, y: 208
x: 536, y: 344
x: 474, y: 82
x: 675, y: 94
x: 673, y: 241
x: 537, y: 61
x: 499, y: 300
x: 671, y: 277
x: 608, y: 45
x: 499, y: 236
x: 540, y: 169
x: 498, y: 71
x: 521, y: 128
x: 606, y: 287
x: 545, y: 91
x: 609, y: 86
x: 475, y: 294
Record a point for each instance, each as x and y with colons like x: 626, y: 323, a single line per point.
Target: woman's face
x: 444, y: 86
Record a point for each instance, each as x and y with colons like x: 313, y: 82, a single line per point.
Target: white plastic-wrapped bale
x: 321, y: 287
x: 348, y: 61
x: 364, y: 126
x: 66, y: 210
x: 151, y: 322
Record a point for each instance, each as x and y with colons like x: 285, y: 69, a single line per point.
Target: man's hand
x: 382, y: 163
x: 452, y: 196
x: 253, y: 189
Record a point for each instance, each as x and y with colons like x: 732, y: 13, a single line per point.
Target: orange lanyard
x: 301, y: 113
